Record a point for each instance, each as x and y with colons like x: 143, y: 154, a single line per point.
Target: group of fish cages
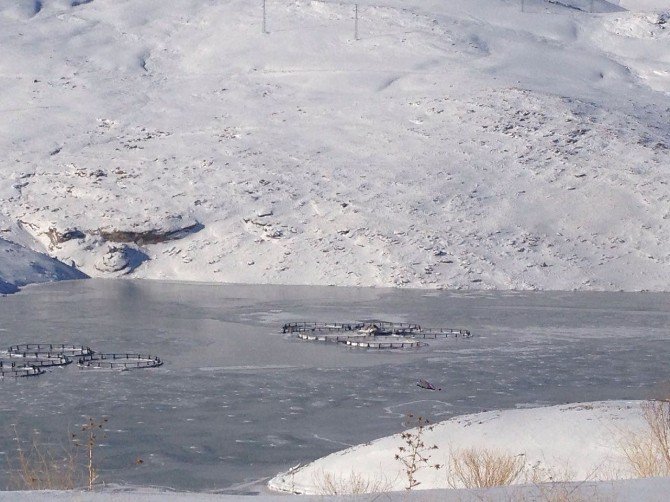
x: 32, y: 359
x: 371, y: 334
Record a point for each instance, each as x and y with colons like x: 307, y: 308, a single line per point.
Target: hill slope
x: 21, y: 266
x: 473, y: 146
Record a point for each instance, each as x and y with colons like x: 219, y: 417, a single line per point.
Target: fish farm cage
x: 32, y: 359
x: 371, y: 333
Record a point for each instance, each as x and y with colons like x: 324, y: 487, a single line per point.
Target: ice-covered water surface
x: 238, y: 401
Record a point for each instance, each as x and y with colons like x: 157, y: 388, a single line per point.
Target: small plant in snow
x: 414, y: 454
x: 92, y: 433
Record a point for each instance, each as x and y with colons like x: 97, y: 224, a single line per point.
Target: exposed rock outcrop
x: 150, y: 236
x: 58, y: 237
x: 120, y: 259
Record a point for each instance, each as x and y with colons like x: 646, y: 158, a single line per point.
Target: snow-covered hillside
x: 455, y: 144
x: 21, y: 266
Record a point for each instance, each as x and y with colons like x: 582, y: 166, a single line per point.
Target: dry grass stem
x: 93, y: 431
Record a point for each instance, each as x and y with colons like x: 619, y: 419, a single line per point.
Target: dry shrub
x: 640, y: 452
x: 484, y: 468
x: 648, y: 452
x: 657, y: 416
x: 44, y: 467
x: 39, y: 466
x: 329, y: 484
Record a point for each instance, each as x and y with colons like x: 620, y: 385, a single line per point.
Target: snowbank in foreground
x: 20, y: 266
x: 580, y: 441
x: 569, y: 442
x: 634, y: 490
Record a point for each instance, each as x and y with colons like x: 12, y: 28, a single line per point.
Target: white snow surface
x: 637, y: 490
x: 575, y: 442
x: 455, y: 144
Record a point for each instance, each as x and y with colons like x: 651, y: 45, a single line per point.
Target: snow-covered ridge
x: 456, y: 144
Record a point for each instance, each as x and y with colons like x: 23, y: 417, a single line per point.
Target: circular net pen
x: 119, y: 361
x: 12, y: 369
x: 371, y: 333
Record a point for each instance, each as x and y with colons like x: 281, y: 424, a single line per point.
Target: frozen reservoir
x: 238, y: 401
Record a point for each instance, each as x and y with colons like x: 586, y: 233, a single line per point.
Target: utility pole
x: 356, y: 22
x: 522, y: 5
x: 264, y: 19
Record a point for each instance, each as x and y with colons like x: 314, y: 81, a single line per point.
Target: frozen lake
x: 237, y: 401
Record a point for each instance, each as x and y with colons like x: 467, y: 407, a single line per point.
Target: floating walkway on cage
x: 312, y: 327
x: 12, y: 369
x: 44, y: 355
x: 434, y: 333
x: 386, y: 342
x: 60, y: 349
x: 362, y: 340
x: 335, y: 337
x: 38, y: 360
